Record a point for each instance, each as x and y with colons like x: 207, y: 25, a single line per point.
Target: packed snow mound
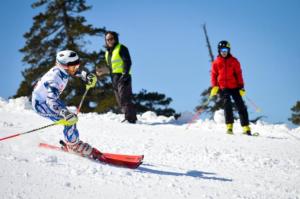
x: 151, y: 117
x: 219, y: 116
x: 18, y: 104
x: 23, y: 104
x: 186, y: 118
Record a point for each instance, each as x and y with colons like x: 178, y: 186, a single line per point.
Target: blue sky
x: 168, y: 48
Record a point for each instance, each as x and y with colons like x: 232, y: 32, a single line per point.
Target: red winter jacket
x: 227, y: 73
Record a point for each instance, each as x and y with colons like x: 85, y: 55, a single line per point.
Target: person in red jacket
x: 226, y: 76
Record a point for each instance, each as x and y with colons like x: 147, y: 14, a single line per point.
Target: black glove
x: 125, y: 78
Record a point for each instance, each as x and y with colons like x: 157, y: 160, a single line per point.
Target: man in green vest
x: 119, y: 62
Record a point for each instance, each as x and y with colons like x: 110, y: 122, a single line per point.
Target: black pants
x: 123, y: 93
x: 226, y: 95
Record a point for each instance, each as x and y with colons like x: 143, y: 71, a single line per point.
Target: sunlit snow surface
x: 200, y: 161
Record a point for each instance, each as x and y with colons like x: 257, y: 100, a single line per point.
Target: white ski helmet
x: 67, y: 58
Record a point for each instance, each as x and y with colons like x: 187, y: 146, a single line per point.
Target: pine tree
x: 295, y: 119
x: 61, y: 27
x: 153, y: 101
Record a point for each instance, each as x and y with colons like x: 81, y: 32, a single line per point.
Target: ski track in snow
x: 198, y: 162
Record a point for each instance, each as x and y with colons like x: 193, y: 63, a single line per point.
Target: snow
x: 200, y: 161
x: 219, y: 116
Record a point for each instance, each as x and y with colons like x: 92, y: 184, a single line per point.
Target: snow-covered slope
x: 200, y: 161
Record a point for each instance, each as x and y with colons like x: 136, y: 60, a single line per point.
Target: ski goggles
x: 223, y: 50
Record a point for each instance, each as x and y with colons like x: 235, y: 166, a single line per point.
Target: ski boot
x: 247, y: 130
x: 96, y: 154
x: 229, y: 128
x: 80, y: 148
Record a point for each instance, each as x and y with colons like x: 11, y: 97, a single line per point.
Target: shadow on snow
x: 191, y: 173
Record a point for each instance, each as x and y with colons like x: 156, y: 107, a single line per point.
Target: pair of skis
x: 122, y: 160
x: 255, y: 134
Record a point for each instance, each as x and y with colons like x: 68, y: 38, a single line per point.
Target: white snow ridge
x: 200, y: 161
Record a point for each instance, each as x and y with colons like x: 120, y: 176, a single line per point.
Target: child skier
x: 46, y: 102
x: 226, y: 75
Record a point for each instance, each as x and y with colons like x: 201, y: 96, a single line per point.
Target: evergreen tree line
x: 60, y: 27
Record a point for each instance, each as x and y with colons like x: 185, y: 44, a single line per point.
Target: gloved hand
x: 242, y: 92
x: 214, y: 91
x: 91, y: 80
x: 69, y: 118
x: 125, y: 78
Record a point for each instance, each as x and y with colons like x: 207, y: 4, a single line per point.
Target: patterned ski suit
x: 46, y: 102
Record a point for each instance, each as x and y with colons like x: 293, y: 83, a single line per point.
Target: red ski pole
x: 81, y: 102
x: 196, y: 115
x: 18, y: 134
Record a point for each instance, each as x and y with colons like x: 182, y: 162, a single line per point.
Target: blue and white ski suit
x: 46, y: 102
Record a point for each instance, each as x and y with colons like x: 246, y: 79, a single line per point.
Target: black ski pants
x: 123, y: 93
x: 226, y: 95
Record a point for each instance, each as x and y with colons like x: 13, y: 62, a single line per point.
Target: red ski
x: 128, y: 161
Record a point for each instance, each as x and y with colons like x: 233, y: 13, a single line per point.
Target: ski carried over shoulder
x: 128, y: 161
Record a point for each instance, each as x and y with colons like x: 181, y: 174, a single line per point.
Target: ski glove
x: 214, y: 91
x: 69, y: 118
x: 242, y: 92
x: 91, y: 80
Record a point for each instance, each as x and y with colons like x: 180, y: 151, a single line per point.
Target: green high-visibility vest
x: 117, y: 63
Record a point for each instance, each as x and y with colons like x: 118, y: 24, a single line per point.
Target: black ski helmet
x: 223, y: 44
